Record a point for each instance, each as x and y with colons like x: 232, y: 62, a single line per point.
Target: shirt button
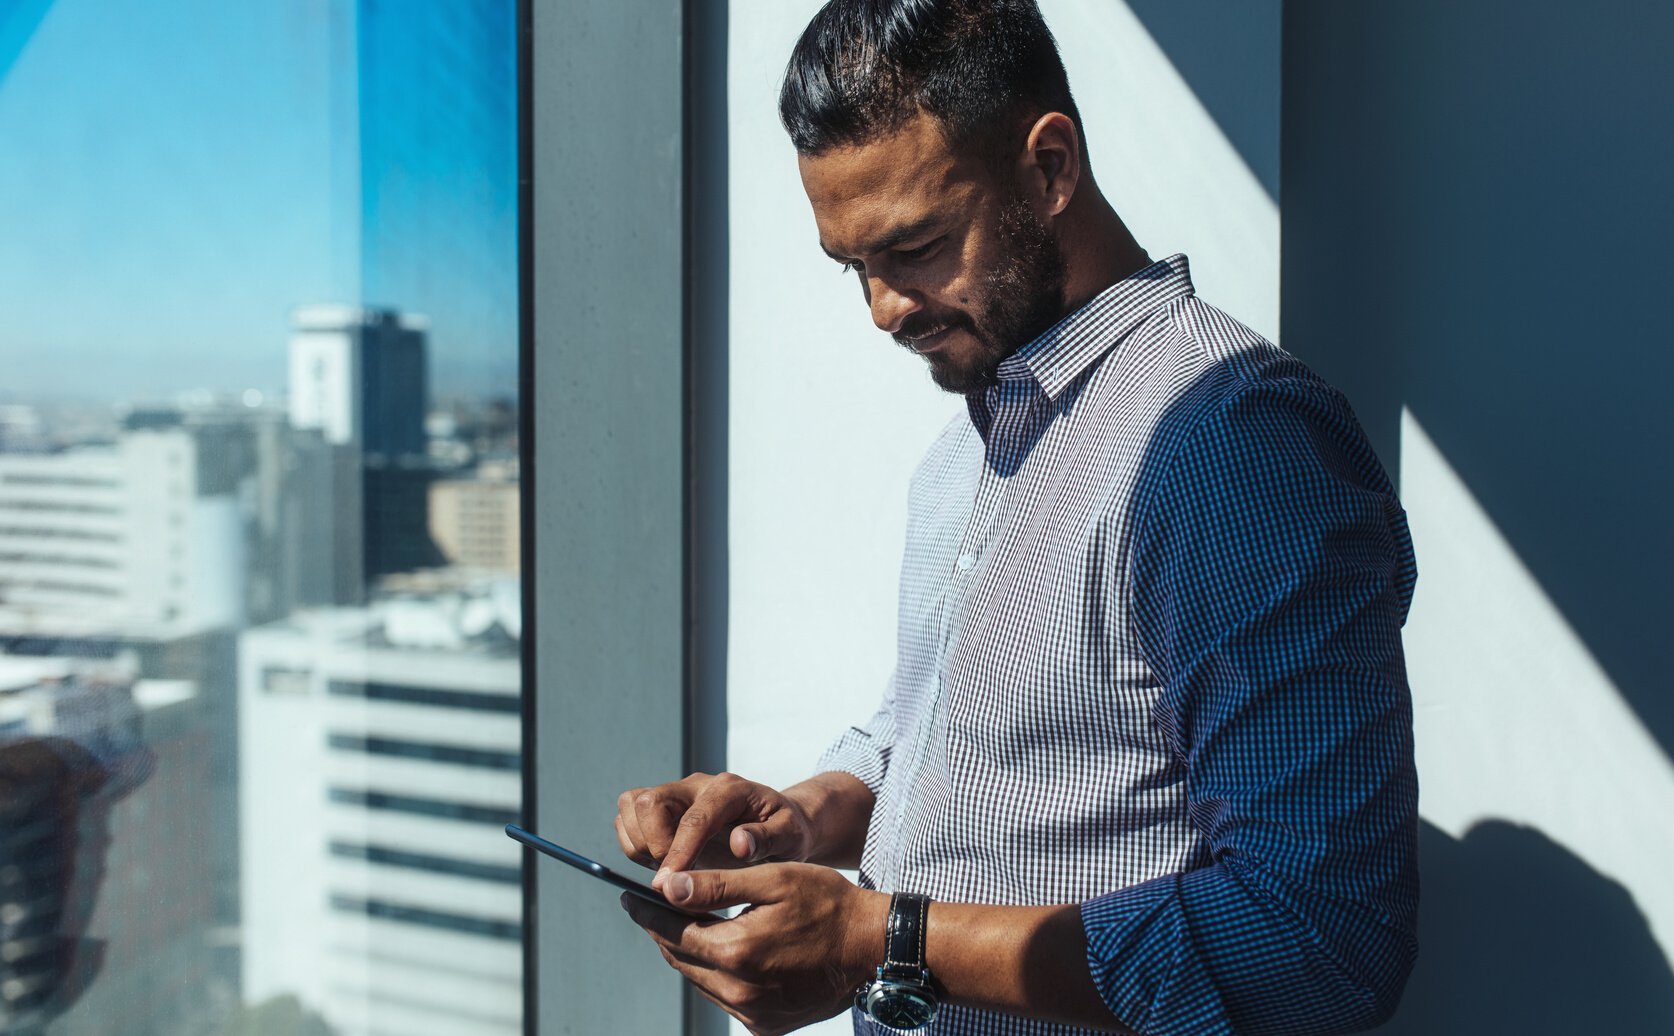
x: 965, y: 562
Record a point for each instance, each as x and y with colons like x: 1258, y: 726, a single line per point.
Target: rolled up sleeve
x: 864, y: 750
x: 1271, y: 573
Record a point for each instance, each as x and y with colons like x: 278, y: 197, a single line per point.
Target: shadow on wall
x: 1476, y: 225
x: 1475, y: 222
x: 1229, y: 54
x: 1518, y: 935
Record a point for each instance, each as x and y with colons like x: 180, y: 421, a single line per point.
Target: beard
x: 1022, y: 296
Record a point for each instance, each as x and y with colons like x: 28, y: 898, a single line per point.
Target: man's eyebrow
x: 906, y: 232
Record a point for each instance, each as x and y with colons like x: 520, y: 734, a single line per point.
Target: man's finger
x: 628, y: 820
x: 686, y: 936
x: 714, y: 890
x: 713, y: 983
x: 657, y: 811
x: 776, y: 838
x: 629, y: 850
x: 725, y: 801
x: 707, y: 981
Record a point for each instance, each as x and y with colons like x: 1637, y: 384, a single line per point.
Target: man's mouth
x: 927, y: 342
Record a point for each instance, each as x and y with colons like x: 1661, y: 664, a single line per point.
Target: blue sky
x: 167, y: 197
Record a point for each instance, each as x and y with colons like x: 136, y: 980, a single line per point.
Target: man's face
x: 954, y: 263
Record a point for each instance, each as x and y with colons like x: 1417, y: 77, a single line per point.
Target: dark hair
x: 982, y: 68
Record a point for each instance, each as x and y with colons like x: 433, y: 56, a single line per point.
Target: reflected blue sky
x: 177, y: 175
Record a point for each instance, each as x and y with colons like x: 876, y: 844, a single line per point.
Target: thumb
x: 772, y: 839
x: 713, y: 890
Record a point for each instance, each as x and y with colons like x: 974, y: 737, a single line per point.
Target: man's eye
x: 851, y: 267
x: 921, y: 252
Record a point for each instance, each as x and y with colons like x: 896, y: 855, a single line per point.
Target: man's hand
x: 679, y: 825
x: 797, y: 955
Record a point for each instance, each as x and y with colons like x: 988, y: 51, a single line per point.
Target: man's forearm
x: 838, y: 807
x: 1023, y: 960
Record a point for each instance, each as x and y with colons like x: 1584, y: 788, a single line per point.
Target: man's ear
x: 1050, y: 165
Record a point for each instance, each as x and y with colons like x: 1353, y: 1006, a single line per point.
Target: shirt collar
x: 1059, y: 355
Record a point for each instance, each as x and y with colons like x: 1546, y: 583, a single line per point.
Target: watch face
x: 901, y: 1007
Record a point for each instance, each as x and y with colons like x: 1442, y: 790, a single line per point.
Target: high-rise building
x: 476, y: 521
x: 361, y: 471
x: 138, y: 538
x: 358, y: 377
x: 379, y: 760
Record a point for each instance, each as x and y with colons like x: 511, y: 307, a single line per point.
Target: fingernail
x: 749, y: 846
x: 657, y: 882
x: 680, y: 888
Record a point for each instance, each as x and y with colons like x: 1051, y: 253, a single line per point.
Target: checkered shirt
x: 1149, y: 662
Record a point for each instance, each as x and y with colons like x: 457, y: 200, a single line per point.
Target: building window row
x: 504, y: 874
x: 444, y: 809
x: 429, y: 751
x: 511, y: 931
x: 474, y: 700
x: 42, y: 532
x: 66, y: 481
x: 59, y: 507
x: 60, y: 560
x: 58, y: 586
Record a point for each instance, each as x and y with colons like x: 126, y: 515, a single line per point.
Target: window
x: 253, y: 315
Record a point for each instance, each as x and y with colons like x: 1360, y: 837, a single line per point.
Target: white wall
x: 828, y: 416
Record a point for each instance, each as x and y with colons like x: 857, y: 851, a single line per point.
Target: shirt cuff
x: 1141, y: 954
x: 855, y: 754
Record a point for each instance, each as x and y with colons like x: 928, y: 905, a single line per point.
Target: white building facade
x: 377, y: 883
x: 117, y: 538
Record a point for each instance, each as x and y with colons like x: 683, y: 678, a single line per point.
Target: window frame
x: 623, y: 382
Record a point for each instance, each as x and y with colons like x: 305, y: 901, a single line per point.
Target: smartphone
x: 603, y: 873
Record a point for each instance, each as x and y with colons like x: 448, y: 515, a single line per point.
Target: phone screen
x: 603, y: 873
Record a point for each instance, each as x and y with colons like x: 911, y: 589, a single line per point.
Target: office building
x: 475, y: 521
x: 137, y: 538
x: 358, y: 377
x: 360, y: 473
x: 379, y: 750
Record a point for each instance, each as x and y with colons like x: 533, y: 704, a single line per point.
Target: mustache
x: 919, y: 326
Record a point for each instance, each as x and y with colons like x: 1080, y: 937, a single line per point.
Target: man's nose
x: 890, y: 308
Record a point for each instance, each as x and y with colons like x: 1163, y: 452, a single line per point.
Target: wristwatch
x: 901, y: 997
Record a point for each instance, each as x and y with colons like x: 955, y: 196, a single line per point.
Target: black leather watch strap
x: 909, y: 916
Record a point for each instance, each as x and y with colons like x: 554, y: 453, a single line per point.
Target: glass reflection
x: 259, y: 482
x: 70, y: 746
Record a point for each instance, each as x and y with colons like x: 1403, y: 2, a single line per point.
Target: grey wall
x: 606, y: 509
x: 1476, y: 213
x: 1229, y: 51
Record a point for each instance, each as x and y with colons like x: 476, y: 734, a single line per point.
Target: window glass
x: 259, y: 546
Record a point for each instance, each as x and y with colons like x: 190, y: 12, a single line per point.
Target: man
x: 1145, y: 762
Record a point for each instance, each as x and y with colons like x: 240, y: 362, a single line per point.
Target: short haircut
x: 984, y: 69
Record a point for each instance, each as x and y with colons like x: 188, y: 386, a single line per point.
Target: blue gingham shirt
x: 1150, y: 662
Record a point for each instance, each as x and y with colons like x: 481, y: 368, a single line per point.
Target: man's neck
x: 1098, y: 248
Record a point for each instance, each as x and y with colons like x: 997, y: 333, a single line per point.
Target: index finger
x: 726, y: 799
x: 650, y: 815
